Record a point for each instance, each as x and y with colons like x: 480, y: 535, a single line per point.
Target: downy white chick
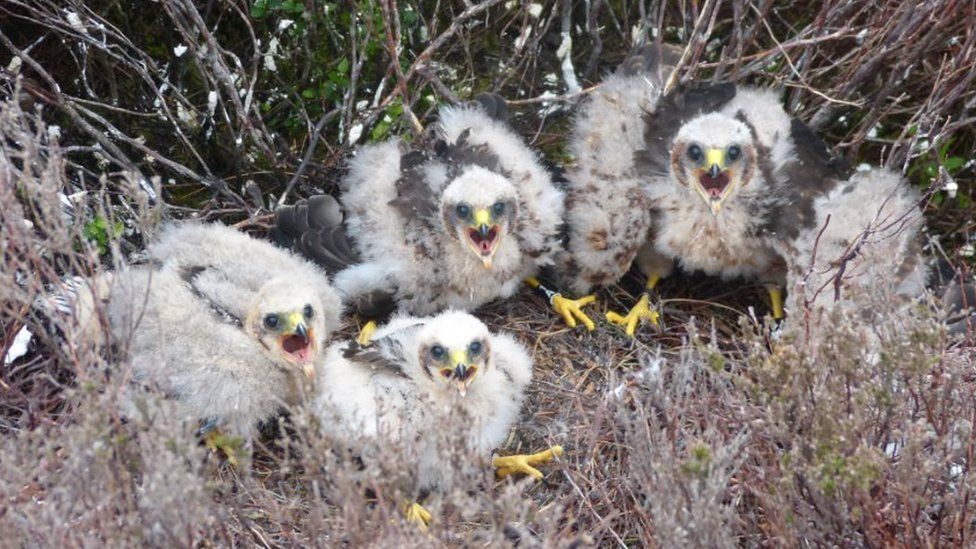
x: 227, y: 325
x: 706, y: 176
x: 418, y: 376
x: 455, y: 221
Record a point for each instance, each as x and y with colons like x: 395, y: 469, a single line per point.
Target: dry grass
x: 710, y: 432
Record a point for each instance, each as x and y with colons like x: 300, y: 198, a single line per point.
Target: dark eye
x: 308, y: 311
x: 475, y: 348
x: 271, y: 321
x: 733, y: 153
x: 462, y: 211
x: 498, y: 208
x: 695, y: 153
x: 437, y: 352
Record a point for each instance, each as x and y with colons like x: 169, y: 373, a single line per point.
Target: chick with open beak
x: 479, y: 208
x: 459, y: 366
x: 482, y: 228
x: 290, y: 336
x: 715, y: 173
x: 717, y: 168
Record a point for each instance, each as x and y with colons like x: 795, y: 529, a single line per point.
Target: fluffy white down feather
x: 177, y: 335
x: 607, y: 206
x: 878, y: 201
x: 723, y: 244
x: 358, y: 399
x: 245, y: 262
x: 542, y: 201
x: 618, y: 213
x: 456, y: 278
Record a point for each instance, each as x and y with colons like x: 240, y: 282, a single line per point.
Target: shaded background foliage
x: 120, y: 113
x: 210, y: 95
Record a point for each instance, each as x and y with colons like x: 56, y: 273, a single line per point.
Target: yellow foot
x: 572, y: 309
x: 416, y: 514
x: 218, y: 443
x: 523, y: 463
x: 366, y: 333
x: 775, y: 299
x: 640, y: 311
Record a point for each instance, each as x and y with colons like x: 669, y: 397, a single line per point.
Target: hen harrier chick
x: 225, y: 324
x: 453, y: 223
x: 705, y: 176
x: 419, y: 376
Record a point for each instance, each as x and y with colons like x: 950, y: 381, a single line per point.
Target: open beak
x: 461, y: 378
x: 298, y: 344
x: 714, y: 182
x: 460, y: 361
x: 483, y: 236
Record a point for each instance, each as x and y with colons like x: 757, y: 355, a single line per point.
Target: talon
x: 523, y: 463
x: 416, y: 514
x: 572, y: 310
x: 640, y: 311
x: 366, y: 333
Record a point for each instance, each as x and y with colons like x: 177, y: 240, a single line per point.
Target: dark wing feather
x: 558, y: 176
x: 494, y: 106
x: 377, y: 305
x: 315, y: 229
x: 382, y: 356
x: 324, y: 211
x: 189, y: 276
x: 415, y: 199
x: 291, y: 222
x: 673, y: 111
x: 461, y: 154
x: 812, y: 173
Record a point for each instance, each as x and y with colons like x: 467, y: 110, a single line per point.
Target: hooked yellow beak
x: 483, y: 236
x: 297, y: 342
x: 482, y: 217
x: 459, y: 357
x: 715, y: 160
x: 460, y: 361
x: 714, y: 181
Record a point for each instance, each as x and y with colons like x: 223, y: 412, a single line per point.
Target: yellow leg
x: 652, y: 281
x: 640, y: 311
x: 523, y: 463
x: 416, y: 514
x: 570, y: 309
x: 366, y: 333
x: 219, y: 443
x: 776, y: 299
